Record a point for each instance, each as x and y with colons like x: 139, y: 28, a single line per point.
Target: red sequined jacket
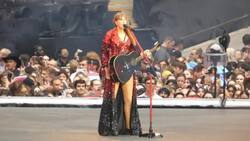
x: 112, y: 46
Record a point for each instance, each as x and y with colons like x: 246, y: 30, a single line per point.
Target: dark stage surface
x: 80, y: 124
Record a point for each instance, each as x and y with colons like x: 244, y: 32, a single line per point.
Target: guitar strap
x: 134, y: 40
x: 141, y: 50
x: 138, y: 46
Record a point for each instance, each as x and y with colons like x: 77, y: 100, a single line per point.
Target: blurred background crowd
x: 173, y: 75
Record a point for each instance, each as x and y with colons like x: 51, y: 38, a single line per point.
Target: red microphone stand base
x: 151, y: 134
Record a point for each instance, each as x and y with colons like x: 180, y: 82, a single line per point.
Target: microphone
x: 126, y: 26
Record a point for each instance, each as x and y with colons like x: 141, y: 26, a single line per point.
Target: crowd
x: 169, y: 75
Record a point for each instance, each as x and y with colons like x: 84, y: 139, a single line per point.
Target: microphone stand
x: 223, y: 101
x: 151, y: 133
x: 135, y: 43
x: 215, y: 79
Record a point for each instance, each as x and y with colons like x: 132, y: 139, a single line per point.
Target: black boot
x: 126, y: 132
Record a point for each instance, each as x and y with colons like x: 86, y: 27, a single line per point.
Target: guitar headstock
x: 156, y: 46
x: 156, y: 43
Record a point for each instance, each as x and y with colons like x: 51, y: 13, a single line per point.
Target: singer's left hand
x: 147, y: 54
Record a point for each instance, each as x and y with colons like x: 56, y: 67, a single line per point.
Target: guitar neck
x: 151, y: 50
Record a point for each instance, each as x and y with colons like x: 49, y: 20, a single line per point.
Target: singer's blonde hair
x: 119, y: 15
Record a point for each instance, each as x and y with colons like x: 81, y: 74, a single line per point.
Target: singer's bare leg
x: 117, y: 84
x: 127, y: 89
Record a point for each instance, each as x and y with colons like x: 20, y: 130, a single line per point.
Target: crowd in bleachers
x: 171, y: 74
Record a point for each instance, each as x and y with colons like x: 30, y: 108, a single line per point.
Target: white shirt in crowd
x: 155, y: 96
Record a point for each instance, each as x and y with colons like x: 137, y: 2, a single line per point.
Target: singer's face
x: 121, y: 21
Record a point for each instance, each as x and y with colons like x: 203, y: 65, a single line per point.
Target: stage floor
x: 80, y: 124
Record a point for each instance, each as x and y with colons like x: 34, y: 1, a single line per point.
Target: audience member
x: 80, y: 89
x: 150, y: 89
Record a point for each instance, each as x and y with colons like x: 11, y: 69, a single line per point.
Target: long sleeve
x: 105, y: 53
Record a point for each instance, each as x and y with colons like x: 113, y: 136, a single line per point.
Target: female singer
x: 119, y: 114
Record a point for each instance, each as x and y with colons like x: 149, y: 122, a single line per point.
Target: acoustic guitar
x: 125, y: 65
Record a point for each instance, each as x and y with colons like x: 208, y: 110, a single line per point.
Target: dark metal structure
x: 75, y: 24
x: 24, y: 23
x: 192, y: 21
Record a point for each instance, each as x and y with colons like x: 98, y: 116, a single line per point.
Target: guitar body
x: 123, y: 66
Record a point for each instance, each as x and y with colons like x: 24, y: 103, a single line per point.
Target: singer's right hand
x: 107, y: 74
